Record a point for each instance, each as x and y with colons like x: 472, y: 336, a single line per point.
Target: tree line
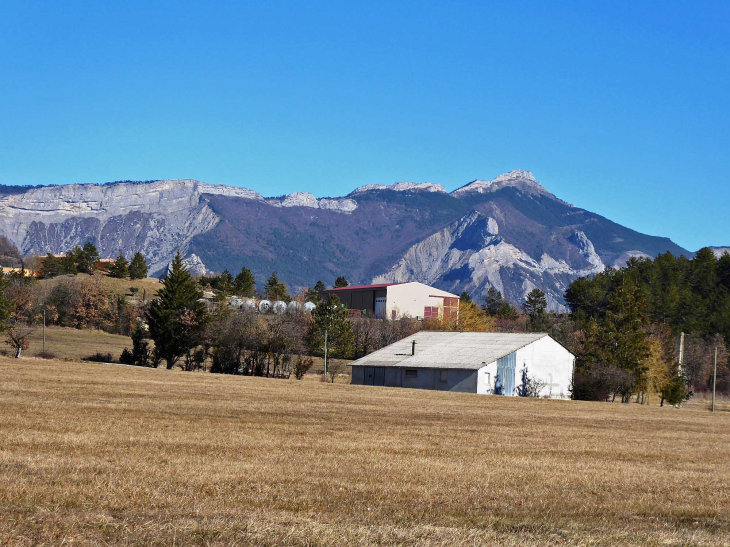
x: 86, y: 260
x: 626, y: 326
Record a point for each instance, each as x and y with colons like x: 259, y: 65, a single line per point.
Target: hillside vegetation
x: 123, y: 455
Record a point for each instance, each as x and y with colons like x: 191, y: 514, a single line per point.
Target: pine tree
x: 331, y: 317
x: 245, y: 283
x: 274, y: 289
x: 723, y: 270
x: 138, y: 267
x: 176, y: 316
x: 120, y: 268
x: 315, y: 294
x: 50, y: 267
x: 341, y: 282
x: 536, y: 309
x: 496, y: 306
x: 225, y: 282
x: 70, y: 262
x: 88, y: 259
x: 465, y: 297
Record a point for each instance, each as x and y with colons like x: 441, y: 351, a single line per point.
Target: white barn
x: 471, y: 362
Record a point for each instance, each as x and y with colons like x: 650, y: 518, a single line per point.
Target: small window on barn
x: 411, y: 373
x: 442, y: 376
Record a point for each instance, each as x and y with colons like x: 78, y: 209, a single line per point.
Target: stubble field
x: 105, y: 454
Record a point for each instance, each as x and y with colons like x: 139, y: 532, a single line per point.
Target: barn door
x: 379, y: 378
x: 369, y: 376
x: 380, y: 307
x: 505, y: 382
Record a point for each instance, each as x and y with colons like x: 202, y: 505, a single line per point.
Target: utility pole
x: 325, y: 355
x: 44, y: 332
x: 681, y: 351
x: 714, y: 382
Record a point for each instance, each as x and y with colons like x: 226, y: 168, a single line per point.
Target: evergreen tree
x: 245, y: 283
x: 120, y: 268
x: 274, y: 289
x: 704, y: 272
x: 330, y: 316
x: 50, y: 267
x: 315, y: 294
x: 465, y: 297
x: 341, y: 282
x: 70, y: 262
x: 138, y: 267
x: 723, y: 270
x: 140, y: 354
x: 225, y: 282
x: 536, y: 309
x: 176, y: 316
x: 87, y: 259
x: 496, y: 306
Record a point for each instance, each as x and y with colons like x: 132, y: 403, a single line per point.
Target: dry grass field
x: 75, y: 344
x: 133, y: 288
x: 103, y: 454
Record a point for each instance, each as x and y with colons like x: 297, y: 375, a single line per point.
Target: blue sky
x: 617, y: 107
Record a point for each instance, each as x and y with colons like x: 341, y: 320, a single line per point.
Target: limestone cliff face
x: 470, y: 255
x: 153, y: 218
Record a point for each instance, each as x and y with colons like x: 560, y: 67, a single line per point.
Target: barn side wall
x: 463, y: 381
x: 548, y: 361
x: 358, y: 376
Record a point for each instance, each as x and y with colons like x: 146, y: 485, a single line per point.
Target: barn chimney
x: 413, y: 347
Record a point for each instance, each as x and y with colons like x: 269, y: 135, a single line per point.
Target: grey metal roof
x: 461, y: 350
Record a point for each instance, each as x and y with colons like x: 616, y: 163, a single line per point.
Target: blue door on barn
x: 504, y: 384
x: 374, y: 376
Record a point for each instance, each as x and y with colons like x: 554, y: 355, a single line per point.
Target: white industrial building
x: 471, y: 362
x: 399, y: 300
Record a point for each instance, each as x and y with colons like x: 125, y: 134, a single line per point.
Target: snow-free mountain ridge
x: 509, y: 232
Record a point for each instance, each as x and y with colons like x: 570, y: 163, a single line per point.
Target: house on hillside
x: 398, y: 300
x: 471, y: 362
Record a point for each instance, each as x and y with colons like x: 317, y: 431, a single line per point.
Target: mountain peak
x: 517, y: 178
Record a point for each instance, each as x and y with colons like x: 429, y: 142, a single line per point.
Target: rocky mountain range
x: 510, y: 232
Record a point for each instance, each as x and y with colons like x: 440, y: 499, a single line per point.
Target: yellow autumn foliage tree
x: 471, y: 319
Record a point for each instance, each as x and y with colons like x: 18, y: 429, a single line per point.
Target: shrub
x: 100, y: 357
x: 301, y: 367
x: 45, y: 355
x: 126, y: 358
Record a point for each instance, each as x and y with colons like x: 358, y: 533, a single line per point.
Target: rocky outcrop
x: 470, y: 255
x: 401, y: 187
x: 193, y: 264
x: 523, y: 180
x: 305, y: 199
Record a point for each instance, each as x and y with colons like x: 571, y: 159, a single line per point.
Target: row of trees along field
x: 623, y: 325
x: 244, y: 285
x: 86, y: 260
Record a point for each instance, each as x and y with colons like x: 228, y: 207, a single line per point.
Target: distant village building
x: 399, y: 300
x: 471, y: 362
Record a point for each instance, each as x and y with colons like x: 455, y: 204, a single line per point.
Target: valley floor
x: 103, y: 454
